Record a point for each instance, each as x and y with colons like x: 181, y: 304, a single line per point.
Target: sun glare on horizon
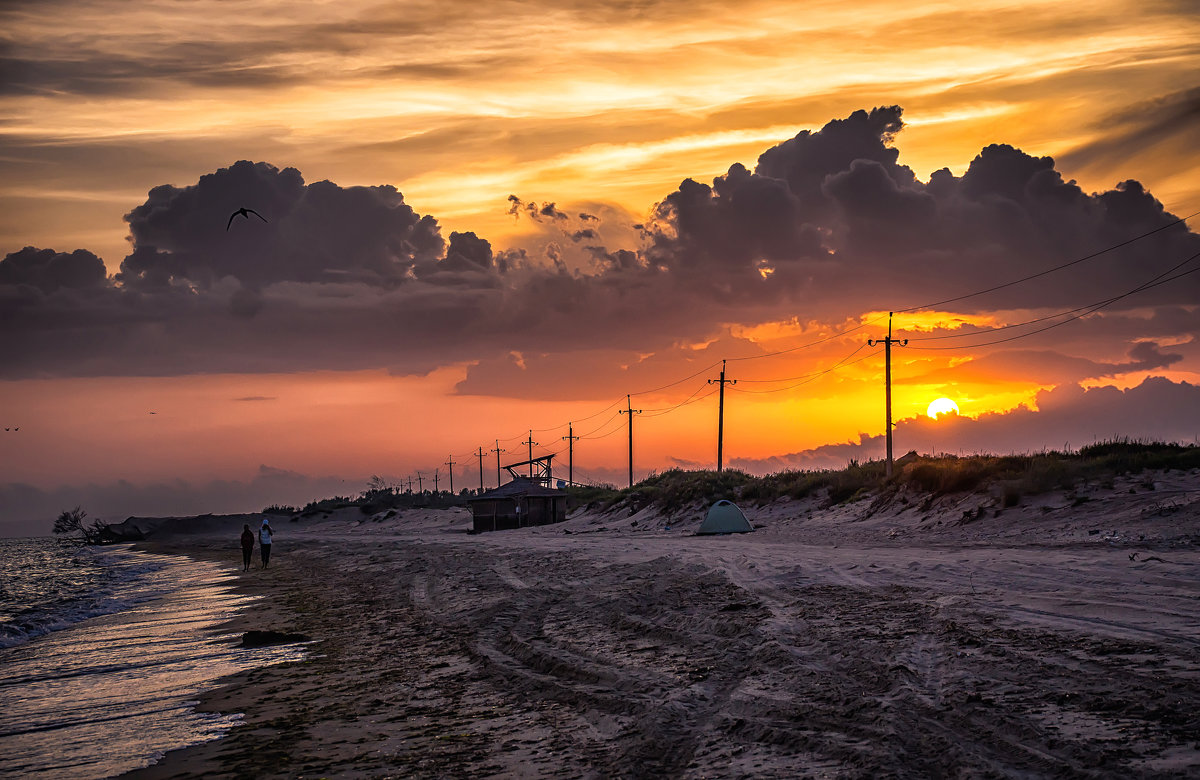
x: 941, y: 406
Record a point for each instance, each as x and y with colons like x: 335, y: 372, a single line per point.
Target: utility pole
x: 570, y: 438
x: 410, y: 485
x: 480, y: 454
x: 420, y: 484
x: 721, y: 411
x: 435, y: 477
x: 629, y: 410
x: 497, y: 451
x: 887, y: 381
x: 450, y: 463
x: 530, y: 442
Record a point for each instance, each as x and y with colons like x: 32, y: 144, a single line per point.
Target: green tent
x: 725, y: 518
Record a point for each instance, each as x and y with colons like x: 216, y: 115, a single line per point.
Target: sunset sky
x: 487, y: 219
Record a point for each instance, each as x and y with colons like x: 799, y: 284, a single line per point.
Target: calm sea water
x: 103, y: 652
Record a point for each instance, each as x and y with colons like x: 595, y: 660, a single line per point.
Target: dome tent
x: 724, y: 517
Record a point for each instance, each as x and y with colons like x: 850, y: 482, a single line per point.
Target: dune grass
x: 1015, y: 476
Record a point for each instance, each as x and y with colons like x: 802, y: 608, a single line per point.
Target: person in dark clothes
x: 247, y: 546
x: 264, y: 542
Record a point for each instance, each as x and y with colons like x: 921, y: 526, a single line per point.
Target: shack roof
x: 521, y: 487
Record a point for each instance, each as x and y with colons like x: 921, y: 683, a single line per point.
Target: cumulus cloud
x: 1067, y: 417
x: 827, y: 225
x: 832, y: 213
x: 313, y: 233
x: 50, y: 271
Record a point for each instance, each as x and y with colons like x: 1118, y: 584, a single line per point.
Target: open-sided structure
x: 520, y: 503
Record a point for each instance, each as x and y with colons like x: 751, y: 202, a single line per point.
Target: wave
x: 49, y: 586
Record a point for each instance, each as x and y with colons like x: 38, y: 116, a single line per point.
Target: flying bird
x: 244, y: 212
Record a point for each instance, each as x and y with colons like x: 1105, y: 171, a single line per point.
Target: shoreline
x: 232, y: 694
x: 102, y: 694
x: 822, y: 645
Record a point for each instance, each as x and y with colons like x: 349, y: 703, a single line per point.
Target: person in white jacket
x: 264, y: 542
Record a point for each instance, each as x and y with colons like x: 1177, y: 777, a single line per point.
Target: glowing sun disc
x: 941, y: 406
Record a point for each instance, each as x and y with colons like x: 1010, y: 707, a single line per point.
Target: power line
x: 1094, y: 255
x: 679, y: 381
x: 592, y: 437
x: 691, y: 399
x: 870, y: 322
x: 1085, y: 310
x: 807, y: 377
x: 837, y: 335
x: 1155, y: 282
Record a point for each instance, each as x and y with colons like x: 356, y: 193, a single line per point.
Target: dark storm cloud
x: 1068, y: 417
x: 828, y: 224
x: 1048, y: 367
x: 315, y: 232
x: 50, y: 271
x: 832, y: 212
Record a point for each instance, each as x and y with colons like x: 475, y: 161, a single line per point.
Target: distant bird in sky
x: 244, y: 212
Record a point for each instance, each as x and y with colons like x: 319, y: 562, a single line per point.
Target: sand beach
x: 917, y: 638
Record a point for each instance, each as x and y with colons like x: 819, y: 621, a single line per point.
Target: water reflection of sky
x: 115, y: 692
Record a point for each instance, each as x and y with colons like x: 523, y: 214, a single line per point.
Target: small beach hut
x: 724, y: 517
x: 520, y: 503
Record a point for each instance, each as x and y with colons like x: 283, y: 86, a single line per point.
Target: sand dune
x: 917, y: 638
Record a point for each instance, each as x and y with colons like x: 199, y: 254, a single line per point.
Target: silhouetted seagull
x: 244, y: 212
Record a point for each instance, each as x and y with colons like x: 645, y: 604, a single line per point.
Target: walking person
x: 247, y: 546
x: 264, y: 542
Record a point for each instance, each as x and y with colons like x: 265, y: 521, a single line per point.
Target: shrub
x: 71, y: 521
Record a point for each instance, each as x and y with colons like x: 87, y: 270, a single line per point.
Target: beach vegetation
x: 73, y: 521
x: 1011, y: 478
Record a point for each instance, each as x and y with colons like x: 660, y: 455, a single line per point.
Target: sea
x: 104, y: 651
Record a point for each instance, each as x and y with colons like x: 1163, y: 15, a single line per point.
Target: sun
x: 941, y: 406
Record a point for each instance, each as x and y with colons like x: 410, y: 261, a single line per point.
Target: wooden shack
x: 517, y: 504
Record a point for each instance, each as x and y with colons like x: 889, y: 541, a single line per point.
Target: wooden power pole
x: 629, y: 410
x: 721, y: 411
x: 480, y: 454
x: 498, y: 450
x: 887, y: 382
x: 571, y: 438
x: 450, y: 463
x: 530, y: 442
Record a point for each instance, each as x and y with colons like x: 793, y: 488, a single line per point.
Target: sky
x: 485, y: 225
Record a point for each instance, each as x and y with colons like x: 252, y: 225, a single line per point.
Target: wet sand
x: 921, y: 638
